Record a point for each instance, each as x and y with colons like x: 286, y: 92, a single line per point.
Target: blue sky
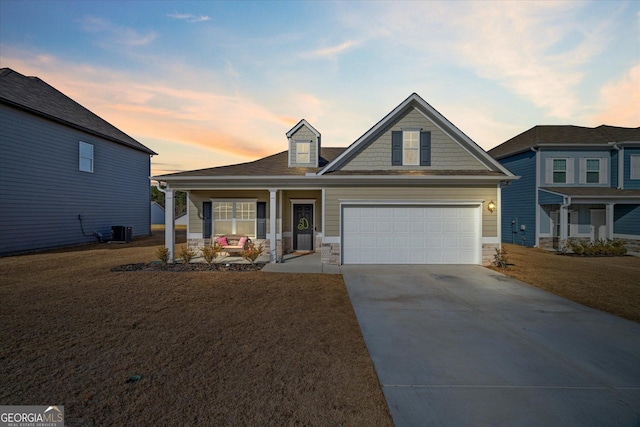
x: 212, y: 83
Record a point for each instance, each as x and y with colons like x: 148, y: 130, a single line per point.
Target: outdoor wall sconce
x: 491, y: 206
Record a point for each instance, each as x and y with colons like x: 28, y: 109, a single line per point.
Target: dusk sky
x: 212, y: 83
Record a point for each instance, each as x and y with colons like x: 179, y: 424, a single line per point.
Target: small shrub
x: 576, y: 246
x: 186, y: 254
x: 211, y: 252
x: 252, y: 252
x: 618, y: 247
x: 163, y: 254
x: 500, y: 258
x: 598, y: 248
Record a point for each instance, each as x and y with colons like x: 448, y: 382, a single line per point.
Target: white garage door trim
x: 396, y: 232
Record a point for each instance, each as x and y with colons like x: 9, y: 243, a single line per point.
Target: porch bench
x: 233, y: 245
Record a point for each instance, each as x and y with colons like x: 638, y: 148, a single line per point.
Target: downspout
x: 169, y: 222
x: 620, y: 166
x: 536, y: 239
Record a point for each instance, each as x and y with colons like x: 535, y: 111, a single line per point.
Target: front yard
x: 212, y: 348
x: 610, y: 284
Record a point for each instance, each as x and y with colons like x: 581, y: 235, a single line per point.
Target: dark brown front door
x: 303, y: 227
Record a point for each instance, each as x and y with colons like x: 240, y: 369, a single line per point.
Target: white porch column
x: 564, y: 223
x: 609, y: 220
x: 169, y: 224
x: 272, y: 226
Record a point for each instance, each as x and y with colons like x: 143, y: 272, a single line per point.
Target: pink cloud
x: 620, y: 101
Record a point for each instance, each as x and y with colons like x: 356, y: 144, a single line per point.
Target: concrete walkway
x: 466, y: 346
x: 302, y: 263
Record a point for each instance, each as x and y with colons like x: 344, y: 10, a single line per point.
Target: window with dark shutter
x: 425, y: 148
x: 396, y: 148
x: 206, y: 219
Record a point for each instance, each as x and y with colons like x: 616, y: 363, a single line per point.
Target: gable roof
x: 274, y: 165
x: 301, y: 123
x: 567, y: 135
x: 415, y: 101
x: 37, y: 97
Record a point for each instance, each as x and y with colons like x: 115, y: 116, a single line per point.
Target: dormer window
x: 304, y: 146
x: 303, y: 150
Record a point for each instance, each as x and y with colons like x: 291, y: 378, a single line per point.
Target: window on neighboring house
x: 85, y: 157
x: 593, y: 171
x: 303, y: 152
x: 559, y: 171
x: 234, y: 217
x: 410, y: 148
x: 634, y: 172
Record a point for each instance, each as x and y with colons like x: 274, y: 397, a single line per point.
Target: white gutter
x: 338, y: 177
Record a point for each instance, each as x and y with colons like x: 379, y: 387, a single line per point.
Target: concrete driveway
x: 466, y: 346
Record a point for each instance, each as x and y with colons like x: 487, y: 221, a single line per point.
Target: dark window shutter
x: 261, y: 217
x: 207, y: 215
x: 425, y: 148
x: 396, y: 148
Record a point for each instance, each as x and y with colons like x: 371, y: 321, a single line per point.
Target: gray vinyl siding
x: 302, y: 135
x: 42, y: 190
x: 446, y: 153
x: 333, y: 196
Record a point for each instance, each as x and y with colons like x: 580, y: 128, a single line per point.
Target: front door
x: 598, y: 224
x: 303, y: 227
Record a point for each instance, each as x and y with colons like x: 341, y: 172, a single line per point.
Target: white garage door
x: 410, y: 235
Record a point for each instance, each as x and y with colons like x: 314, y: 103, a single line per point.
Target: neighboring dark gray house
x: 65, y: 173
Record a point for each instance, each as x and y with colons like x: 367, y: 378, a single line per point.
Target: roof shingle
x: 565, y: 135
x: 36, y: 96
x: 274, y: 165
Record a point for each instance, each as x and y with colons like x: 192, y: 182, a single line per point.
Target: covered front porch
x: 284, y: 221
x: 589, y: 215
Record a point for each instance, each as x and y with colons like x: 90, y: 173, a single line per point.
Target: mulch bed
x: 178, y: 267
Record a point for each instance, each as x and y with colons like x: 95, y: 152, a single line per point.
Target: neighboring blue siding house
x: 65, y: 173
x: 157, y: 214
x: 576, y: 183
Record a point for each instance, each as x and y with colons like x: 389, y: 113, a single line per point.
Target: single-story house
x: 413, y: 189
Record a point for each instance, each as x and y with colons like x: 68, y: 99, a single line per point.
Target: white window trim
x: 81, y: 168
x: 603, y: 170
x: 636, y: 158
x: 233, y: 215
x: 307, y: 153
x: 405, y: 150
x: 553, y: 171
x: 569, y: 170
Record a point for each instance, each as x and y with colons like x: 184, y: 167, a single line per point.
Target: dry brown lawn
x: 214, y: 348
x: 610, y: 284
